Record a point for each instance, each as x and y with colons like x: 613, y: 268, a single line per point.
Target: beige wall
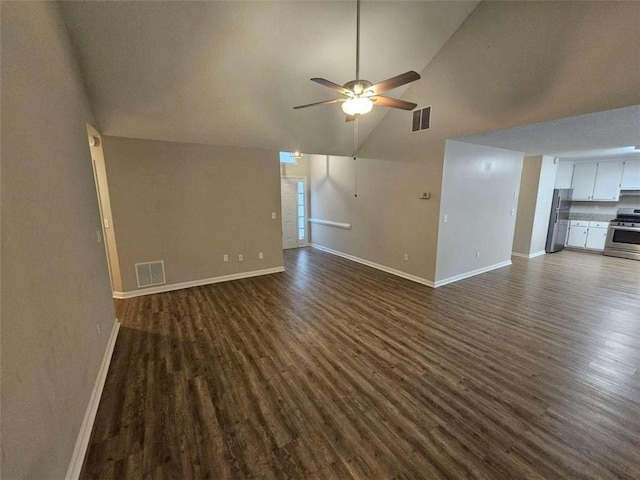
x: 548, y: 171
x: 527, y: 204
x: 55, y: 285
x: 510, y: 63
x: 189, y: 204
x: 380, y: 230
x: 534, y: 205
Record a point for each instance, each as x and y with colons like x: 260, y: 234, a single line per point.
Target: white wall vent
x: 150, y: 273
x: 421, y: 119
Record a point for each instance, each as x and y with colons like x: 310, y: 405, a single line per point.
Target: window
x: 301, y: 220
x: 288, y: 158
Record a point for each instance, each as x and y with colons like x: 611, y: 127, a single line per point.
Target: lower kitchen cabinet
x: 596, y: 238
x: 577, y: 236
x: 588, y: 235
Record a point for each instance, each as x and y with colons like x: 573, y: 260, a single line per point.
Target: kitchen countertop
x: 591, y: 217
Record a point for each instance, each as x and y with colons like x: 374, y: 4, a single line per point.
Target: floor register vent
x: 150, y: 273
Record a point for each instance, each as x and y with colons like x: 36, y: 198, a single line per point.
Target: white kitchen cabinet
x: 577, y: 236
x: 597, y: 235
x: 599, y: 182
x: 584, y: 179
x: 608, y: 179
x: 564, y: 175
x: 630, y: 175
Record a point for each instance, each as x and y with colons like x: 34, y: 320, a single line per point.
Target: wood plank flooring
x: 333, y: 370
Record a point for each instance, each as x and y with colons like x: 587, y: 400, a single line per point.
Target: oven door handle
x: 628, y: 229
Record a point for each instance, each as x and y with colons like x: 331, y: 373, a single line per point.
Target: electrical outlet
x: 273, y: 215
x: 225, y: 258
x: 260, y: 255
x: 98, y: 328
x: 240, y: 257
x: 478, y: 254
x: 406, y: 257
x: 513, y: 212
x: 445, y: 218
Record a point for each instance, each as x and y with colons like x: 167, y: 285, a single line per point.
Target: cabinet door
x: 596, y: 238
x: 608, y: 179
x: 584, y: 178
x: 577, y: 236
x: 564, y: 175
x: 631, y: 175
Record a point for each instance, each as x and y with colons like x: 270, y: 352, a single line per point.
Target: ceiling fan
x: 360, y: 96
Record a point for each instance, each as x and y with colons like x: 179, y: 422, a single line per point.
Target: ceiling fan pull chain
x: 355, y: 155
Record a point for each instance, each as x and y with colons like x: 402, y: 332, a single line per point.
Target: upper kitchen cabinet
x: 597, y: 181
x: 584, y: 179
x: 631, y: 175
x: 608, y: 179
x: 564, y: 175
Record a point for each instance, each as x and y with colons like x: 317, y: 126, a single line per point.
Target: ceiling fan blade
x: 326, y: 102
x: 332, y: 86
x: 393, y: 103
x: 349, y: 118
x: 394, y: 82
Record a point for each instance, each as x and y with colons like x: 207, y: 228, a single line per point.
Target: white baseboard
x: 528, y: 255
x: 472, y: 273
x: 196, y: 283
x: 377, y: 266
x: 82, y: 442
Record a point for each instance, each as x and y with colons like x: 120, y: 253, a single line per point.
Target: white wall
x: 479, y: 198
x: 55, y: 283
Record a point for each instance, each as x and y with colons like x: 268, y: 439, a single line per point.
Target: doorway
x: 293, y: 191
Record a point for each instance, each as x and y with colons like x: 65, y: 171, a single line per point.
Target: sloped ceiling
x: 229, y: 73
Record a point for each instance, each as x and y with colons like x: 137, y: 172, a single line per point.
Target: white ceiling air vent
x: 150, y: 273
x: 421, y: 119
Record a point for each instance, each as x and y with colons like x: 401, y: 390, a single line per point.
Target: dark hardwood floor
x: 333, y: 370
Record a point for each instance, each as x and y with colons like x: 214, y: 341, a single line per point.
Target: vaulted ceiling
x: 229, y: 72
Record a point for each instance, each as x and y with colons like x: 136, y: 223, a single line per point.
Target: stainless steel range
x: 623, y: 236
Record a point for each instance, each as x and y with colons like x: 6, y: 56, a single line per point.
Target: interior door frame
x: 94, y: 139
x: 301, y: 178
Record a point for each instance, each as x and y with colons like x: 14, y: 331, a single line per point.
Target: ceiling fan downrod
x: 357, y: 39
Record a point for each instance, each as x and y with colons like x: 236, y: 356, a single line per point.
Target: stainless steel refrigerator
x: 559, y: 220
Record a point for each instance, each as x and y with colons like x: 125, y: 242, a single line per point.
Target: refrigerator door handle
x: 559, y: 200
x: 557, y: 216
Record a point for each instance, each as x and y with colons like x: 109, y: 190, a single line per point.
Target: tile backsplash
x: 602, y: 211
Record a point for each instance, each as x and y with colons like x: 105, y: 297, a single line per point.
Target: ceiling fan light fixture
x: 357, y: 106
